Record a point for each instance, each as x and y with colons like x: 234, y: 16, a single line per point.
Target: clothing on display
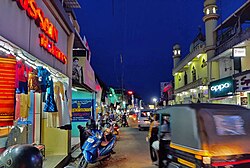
x: 43, y: 75
x: 24, y: 105
x: 7, y: 90
x: 23, y: 71
x: 65, y: 110
x: 50, y: 105
x: 33, y: 83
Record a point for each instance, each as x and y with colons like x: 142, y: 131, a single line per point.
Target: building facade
x: 232, y: 54
x: 36, y: 41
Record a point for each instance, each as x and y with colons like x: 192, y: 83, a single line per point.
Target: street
x: 132, y: 150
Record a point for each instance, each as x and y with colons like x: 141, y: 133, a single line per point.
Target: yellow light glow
x: 189, y: 63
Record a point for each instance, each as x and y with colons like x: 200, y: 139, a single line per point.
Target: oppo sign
x: 220, y: 87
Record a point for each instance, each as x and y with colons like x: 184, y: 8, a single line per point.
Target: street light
x: 154, y: 100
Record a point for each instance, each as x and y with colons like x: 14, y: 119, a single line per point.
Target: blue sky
x: 143, y: 32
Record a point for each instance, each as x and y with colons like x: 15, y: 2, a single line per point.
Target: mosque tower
x: 177, y: 54
x: 210, y: 18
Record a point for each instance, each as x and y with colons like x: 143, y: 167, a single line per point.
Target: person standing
x: 152, y: 137
x: 165, y: 139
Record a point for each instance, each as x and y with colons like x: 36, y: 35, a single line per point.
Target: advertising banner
x: 89, y: 75
x: 243, y: 83
x: 222, y: 87
x: 81, y: 109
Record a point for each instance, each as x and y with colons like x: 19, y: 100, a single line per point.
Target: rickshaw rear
x: 208, y: 135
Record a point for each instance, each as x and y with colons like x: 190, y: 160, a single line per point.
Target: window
x: 229, y: 125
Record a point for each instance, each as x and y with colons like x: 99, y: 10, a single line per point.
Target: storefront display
x: 35, y: 44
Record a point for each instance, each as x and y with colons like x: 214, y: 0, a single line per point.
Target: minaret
x: 211, y: 17
x: 177, y: 54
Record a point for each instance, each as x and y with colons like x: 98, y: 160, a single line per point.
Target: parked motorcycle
x: 96, y: 148
x: 116, y: 129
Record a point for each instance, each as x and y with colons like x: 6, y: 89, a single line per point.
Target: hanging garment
x: 24, y: 105
x: 43, y: 75
x: 33, y: 83
x: 18, y: 106
x: 50, y: 105
x: 37, y: 136
x: 65, y: 110
x: 7, y: 91
x: 53, y: 120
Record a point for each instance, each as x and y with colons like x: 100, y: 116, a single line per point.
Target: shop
x: 242, y: 88
x: 35, y: 86
x: 222, y: 91
x: 196, y: 92
x: 83, y: 96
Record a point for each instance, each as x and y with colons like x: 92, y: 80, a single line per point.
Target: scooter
x: 93, y: 150
x: 116, y: 129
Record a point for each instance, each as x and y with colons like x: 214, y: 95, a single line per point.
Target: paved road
x: 132, y: 151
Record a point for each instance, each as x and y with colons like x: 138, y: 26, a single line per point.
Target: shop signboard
x: 221, y: 88
x: 89, y: 75
x: 81, y: 109
x: 239, y: 52
x: 242, y: 83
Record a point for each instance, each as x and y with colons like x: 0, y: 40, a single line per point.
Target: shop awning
x: 82, y: 87
x: 72, y: 4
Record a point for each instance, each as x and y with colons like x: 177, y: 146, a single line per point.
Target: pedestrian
x: 152, y: 137
x: 165, y: 139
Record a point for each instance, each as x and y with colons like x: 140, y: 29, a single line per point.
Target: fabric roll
x: 7, y: 90
x: 24, y: 105
x: 18, y: 106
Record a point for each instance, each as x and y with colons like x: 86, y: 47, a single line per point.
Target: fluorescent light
x: 74, y: 89
x: 189, y: 63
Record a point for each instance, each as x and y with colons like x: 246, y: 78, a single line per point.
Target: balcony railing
x: 192, y: 85
x: 231, y: 40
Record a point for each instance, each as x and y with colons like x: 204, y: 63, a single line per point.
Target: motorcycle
x: 93, y: 149
x: 124, y: 123
x: 116, y: 129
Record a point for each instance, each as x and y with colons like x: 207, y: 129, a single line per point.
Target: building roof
x: 243, y: 12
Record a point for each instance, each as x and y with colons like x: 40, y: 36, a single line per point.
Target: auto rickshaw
x: 207, y: 136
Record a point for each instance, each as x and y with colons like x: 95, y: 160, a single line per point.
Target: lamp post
x: 155, y: 101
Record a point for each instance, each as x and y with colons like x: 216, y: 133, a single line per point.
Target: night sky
x: 143, y: 32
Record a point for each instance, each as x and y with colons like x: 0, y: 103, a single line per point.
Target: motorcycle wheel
x: 82, y: 163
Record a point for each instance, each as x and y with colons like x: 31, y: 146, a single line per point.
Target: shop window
x: 179, y: 78
x: 185, y: 78
x: 203, y: 63
x: 194, y: 73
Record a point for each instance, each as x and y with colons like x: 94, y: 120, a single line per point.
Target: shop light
x: 74, y: 89
x: 18, y: 58
x: 4, y: 50
x: 30, y: 64
x: 22, y: 56
x: 189, y: 63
